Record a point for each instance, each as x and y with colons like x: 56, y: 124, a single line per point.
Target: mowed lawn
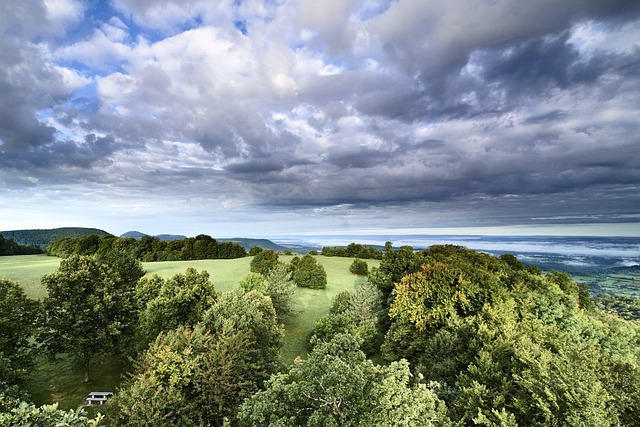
x: 60, y: 381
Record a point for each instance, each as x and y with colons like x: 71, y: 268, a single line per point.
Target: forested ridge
x: 466, y: 339
x: 42, y: 237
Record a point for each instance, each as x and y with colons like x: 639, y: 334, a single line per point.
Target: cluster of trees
x: 148, y: 248
x: 466, y: 339
x: 306, y: 272
x: 10, y: 247
x: 353, y: 250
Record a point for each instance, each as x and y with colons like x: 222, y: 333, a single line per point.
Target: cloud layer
x: 289, y: 115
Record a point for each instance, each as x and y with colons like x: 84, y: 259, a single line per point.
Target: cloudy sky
x: 275, y: 117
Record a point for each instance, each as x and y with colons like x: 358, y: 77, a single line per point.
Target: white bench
x: 98, y: 397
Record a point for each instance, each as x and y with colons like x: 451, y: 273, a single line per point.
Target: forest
x: 440, y: 337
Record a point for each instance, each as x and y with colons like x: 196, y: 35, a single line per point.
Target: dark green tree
x: 188, y: 377
x: 264, y: 261
x: 88, y: 307
x: 309, y: 273
x: 359, y: 267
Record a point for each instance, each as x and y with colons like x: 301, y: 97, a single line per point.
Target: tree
x: 356, y: 313
x: 180, y: 300
x: 17, y: 323
x: 88, y: 307
x: 309, y: 273
x: 338, y: 386
x: 26, y: 414
x: 187, y: 377
x: 253, y: 282
x: 359, y: 267
x: 251, y: 313
x: 264, y: 261
x: 281, y: 287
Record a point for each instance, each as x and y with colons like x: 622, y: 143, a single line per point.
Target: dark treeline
x: 10, y: 247
x: 148, y: 248
x: 42, y: 237
x: 353, y: 250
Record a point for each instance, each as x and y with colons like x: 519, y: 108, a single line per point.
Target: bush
x: 264, y: 261
x: 310, y: 274
x: 359, y: 267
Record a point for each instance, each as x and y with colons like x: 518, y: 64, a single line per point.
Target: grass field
x: 61, y: 381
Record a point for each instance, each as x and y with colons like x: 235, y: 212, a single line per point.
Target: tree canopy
x: 89, y: 307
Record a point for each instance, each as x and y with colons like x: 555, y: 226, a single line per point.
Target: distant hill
x: 138, y: 235
x: 249, y: 243
x: 42, y: 238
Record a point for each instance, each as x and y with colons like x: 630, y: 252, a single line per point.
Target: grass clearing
x: 61, y: 380
x: 27, y: 270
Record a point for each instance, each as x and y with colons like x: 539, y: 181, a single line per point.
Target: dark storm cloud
x: 476, y: 110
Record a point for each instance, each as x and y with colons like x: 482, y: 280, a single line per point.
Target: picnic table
x: 98, y: 397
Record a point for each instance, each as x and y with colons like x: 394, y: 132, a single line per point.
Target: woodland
x: 440, y: 337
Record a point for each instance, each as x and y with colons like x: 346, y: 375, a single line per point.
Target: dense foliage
x: 467, y: 339
x: 353, y: 250
x: 510, y: 346
x: 308, y: 273
x: 359, y: 267
x: 148, y: 248
x: 10, y: 247
x: 624, y: 306
x: 90, y: 307
x: 164, y: 305
x: 338, y: 386
x: 264, y: 261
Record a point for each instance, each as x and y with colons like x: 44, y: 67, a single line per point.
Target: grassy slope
x: 27, y: 270
x: 62, y: 381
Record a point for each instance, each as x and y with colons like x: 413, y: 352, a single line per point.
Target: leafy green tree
x: 512, y: 347
x: 188, y: 377
x: 264, y: 261
x: 166, y: 304
x: 250, y: 313
x: 281, y: 288
x: 253, y: 282
x: 309, y: 273
x: 359, y: 267
x: 358, y: 313
x: 27, y: 414
x: 88, y: 307
x: 17, y: 324
x: 255, y: 250
x: 338, y: 386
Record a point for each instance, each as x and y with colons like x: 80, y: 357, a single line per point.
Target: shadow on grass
x: 61, y: 380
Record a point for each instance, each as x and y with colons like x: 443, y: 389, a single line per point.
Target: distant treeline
x: 10, y: 247
x: 148, y: 248
x: 353, y: 250
x: 42, y: 238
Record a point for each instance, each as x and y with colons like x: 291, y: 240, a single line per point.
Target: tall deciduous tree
x: 338, y: 386
x: 88, y: 307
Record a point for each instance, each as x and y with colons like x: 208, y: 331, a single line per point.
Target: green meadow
x: 60, y: 381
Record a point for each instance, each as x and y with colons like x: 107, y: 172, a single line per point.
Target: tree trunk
x: 86, y: 369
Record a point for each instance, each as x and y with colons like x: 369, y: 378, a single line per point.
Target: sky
x: 276, y: 117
